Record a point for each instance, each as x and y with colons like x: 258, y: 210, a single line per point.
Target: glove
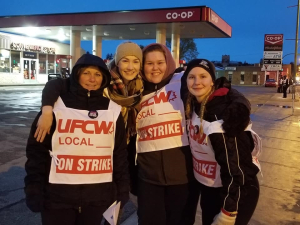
x: 225, y: 218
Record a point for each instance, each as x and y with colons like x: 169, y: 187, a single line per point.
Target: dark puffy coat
x: 39, y: 192
x: 234, y: 109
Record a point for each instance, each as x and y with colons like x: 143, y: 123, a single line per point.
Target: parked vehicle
x: 271, y: 83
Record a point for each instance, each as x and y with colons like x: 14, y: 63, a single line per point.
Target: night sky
x: 250, y: 21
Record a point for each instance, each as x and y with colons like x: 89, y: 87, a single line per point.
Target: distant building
x: 250, y: 74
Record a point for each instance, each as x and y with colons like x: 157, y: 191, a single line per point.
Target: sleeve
x: 233, y: 153
x: 120, y: 168
x: 37, y: 169
x: 232, y: 176
x: 53, y: 89
x: 237, y: 115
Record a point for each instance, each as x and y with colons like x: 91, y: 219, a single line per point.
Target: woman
x: 223, y: 149
x: 165, y: 171
x: 164, y: 161
x: 80, y: 182
x: 125, y: 89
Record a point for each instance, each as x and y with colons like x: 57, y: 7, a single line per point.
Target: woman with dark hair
x: 81, y: 167
x: 225, y: 159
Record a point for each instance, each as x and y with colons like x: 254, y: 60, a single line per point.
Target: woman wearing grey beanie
x: 125, y: 89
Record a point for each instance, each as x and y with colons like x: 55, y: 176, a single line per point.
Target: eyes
x: 97, y: 74
x: 136, y: 61
x: 158, y: 63
x: 201, y: 76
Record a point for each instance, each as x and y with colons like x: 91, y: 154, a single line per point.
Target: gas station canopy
x: 189, y: 22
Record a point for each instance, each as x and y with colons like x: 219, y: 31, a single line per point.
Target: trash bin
x: 52, y: 76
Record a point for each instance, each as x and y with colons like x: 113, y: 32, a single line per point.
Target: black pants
x: 88, y: 216
x: 161, y: 205
x: 210, y: 203
x: 284, y: 88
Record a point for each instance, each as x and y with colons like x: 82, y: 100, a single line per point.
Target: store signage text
x: 182, y: 15
x: 33, y: 48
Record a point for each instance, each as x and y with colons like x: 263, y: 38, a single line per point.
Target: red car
x: 270, y: 83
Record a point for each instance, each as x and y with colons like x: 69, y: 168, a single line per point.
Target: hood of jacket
x: 171, y: 66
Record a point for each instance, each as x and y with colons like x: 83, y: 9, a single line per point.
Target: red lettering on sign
x: 160, y: 97
x: 86, y: 126
x: 75, y: 141
x: 160, y: 130
x: 194, y: 133
x: 71, y: 164
x: 205, y: 168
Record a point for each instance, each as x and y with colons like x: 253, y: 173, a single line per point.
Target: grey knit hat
x: 128, y: 49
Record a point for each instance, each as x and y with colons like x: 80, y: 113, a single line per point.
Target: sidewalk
x: 279, y: 201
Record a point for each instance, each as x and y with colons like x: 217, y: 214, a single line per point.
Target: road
x: 280, y: 187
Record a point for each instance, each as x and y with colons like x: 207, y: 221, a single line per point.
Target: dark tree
x: 187, y: 50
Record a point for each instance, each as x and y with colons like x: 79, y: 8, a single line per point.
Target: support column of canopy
x: 161, y: 34
x: 175, y: 43
x: 75, y: 48
x: 97, y: 41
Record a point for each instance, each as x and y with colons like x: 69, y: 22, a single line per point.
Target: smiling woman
x: 90, y: 78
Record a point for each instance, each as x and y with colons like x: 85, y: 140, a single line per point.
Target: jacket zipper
x: 79, y: 209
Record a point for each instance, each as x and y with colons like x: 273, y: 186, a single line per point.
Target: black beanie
x: 203, y: 63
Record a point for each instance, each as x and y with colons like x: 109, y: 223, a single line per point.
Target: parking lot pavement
x: 279, y: 202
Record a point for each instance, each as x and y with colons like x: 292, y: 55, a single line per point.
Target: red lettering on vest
x: 160, y: 97
x: 145, y: 114
x: 75, y: 141
x: 72, y: 164
x: 194, y: 133
x: 86, y: 126
x: 205, y: 168
x: 160, y: 130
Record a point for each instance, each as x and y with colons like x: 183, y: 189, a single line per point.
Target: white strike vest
x: 206, y: 168
x: 161, y: 122
x: 82, y: 147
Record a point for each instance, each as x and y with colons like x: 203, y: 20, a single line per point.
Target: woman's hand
x: 44, y: 124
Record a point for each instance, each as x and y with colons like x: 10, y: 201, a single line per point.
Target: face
x: 199, y: 83
x: 91, y: 78
x: 129, y: 67
x: 155, y: 66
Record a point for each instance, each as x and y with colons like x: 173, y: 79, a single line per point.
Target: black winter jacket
x: 234, y: 109
x: 41, y: 194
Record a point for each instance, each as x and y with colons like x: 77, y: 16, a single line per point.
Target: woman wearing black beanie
x: 225, y: 149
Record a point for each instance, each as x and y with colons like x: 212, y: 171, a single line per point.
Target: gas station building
x: 33, y: 46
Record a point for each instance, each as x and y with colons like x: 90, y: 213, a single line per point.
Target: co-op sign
x: 273, y: 42
x: 182, y: 15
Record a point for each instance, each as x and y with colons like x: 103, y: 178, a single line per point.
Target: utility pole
x: 296, y: 41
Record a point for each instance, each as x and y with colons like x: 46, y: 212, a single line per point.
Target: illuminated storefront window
x: 51, y: 64
x: 4, y: 61
x: 42, y: 63
x: 15, y: 62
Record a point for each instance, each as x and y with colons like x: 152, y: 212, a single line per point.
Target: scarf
x: 128, y: 96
